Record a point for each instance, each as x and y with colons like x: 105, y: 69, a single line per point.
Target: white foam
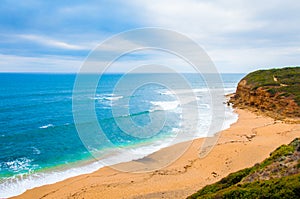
x: 18, y: 164
x: 46, y: 126
x: 167, y: 92
x: 200, y: 90
x: 206, y: 90
x: 113, y: 98
x: 36, y: 150
x: 165, y: 105
x: 107, y: 99
x: 17, y: 185
x: 230, y: 117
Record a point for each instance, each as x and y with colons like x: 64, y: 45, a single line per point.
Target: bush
x: 290, y: 76
x: 232, y: 186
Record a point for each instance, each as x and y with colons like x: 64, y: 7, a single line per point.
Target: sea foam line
x: 46, y: 126
x: 165, y: 105
x: 19, y: 184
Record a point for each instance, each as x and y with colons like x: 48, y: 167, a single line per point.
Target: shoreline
x: 240, y: 146
x: 59, y: 173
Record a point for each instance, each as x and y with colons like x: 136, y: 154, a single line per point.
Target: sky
x: 57, y: 36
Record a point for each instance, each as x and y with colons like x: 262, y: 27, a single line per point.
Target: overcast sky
x: 239, y: 36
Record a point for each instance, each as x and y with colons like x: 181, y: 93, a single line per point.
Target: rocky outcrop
x: 269, y: 99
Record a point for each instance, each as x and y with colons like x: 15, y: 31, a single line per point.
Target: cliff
x: 274, y: 92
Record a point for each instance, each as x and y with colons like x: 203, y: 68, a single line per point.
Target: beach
x: 140, y: 99
x: 248, y: 141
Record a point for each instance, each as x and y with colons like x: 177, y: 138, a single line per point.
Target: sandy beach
x: 248, y: 141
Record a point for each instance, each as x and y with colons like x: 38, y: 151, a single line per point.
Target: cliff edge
x: 274, y: 92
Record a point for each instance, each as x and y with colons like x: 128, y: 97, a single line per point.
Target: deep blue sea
x: 39, y: 143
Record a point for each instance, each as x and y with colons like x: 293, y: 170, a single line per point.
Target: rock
x: 214, y: 174
x: 266, y: 99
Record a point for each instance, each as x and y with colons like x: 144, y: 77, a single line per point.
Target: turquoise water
x: 38, y: 137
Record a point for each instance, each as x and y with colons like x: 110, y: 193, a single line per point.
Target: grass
x: 281, y: 151
x: 232, y: 186
x: 285, y: 187
x: 289, y: 77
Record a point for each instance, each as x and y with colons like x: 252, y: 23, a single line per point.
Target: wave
x: 17, y: 165
x: 167, y: 92
x: 134, y: 114
x: 199, y: 92
x: 165, y: 105
x: 35, y: 150
x: 157, y: 106
x: 205, y: 90
x: 46, y: 126
x: 113, y: 98
x: 230, y: 117
x: 18, y: 184
x: 107, y: 97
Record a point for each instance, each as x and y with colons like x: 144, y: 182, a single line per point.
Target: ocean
x: 39, y: 142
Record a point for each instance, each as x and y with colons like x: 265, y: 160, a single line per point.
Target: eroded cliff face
x: 262, y: 99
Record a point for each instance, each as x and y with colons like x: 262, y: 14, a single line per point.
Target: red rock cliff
x: 266, y: 99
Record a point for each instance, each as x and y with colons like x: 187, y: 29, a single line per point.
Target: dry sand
x: 245, y: 143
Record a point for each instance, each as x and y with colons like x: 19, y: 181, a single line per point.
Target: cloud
x: 201, y: 18
x: 238, y: 35
x: 250, y: 59
x: 60, y: 64
x: 46, y: 41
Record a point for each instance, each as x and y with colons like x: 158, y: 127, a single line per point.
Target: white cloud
x: 201, y: 18
x: 47, y: 41
x: 60, y: 64
x: 241, y: 60
x: 238, y: 35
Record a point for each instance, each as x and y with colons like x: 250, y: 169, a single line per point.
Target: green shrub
x: 232, y: 186
x: 290, y: 76
x: 285, y: 187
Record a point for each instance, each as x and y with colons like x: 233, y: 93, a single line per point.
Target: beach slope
x: 250, y: 140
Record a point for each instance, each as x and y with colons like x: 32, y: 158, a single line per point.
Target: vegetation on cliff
x: 276, y: 177
x: 275, y: 92
x: 284, y: 80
